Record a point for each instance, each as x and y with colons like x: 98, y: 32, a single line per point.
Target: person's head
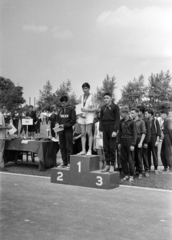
x: 141, y: 110
x: 124, y: 112
x: 107, y: 97
x: 64, y: 101
x: 134, y: 112
x: 164, y: 114
x: 2, y: 109
x: 157, y: 114
x: 149, y: 113
x: 86, y: 88
x: 30, y: 108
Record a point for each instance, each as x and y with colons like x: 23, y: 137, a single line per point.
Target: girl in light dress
x: 98, y: 142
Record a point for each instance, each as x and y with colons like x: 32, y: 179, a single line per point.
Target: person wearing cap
x: 166, y: 149
x: 66, y: 118
x: 109, y: 126
x: 126, y: 142
x: 86, y: 118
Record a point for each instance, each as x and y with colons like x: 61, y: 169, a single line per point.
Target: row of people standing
x: 137, y: 138
x: 16, y: 119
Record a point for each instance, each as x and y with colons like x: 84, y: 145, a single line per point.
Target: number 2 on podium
x: 60, y: 177
x: 79, y: 166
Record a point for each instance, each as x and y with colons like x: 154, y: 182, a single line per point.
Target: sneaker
x: 81, y: 153
x: 62, y: 165
x: 111, y: 170
x: 131, y: 179
x: 89, y: 153
x: 68, y: 166
x: 140, y: 176
x: 126, y: 178
x: 146, y: 174
x: 106, y: 169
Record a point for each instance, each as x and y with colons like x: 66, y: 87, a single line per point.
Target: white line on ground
x: 125, y: 186
x: 145, y: 188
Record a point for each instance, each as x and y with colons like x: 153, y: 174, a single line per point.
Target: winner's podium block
x: 60, y: 175
x: 80, y: 167
x: 84, y: 171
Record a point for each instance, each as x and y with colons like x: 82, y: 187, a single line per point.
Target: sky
x: 83, y: 41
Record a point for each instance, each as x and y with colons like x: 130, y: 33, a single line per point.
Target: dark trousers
x: 16, y: 124
x: 127, y: 157
x: 66, y: 144
x: 23, y: 127
x: 109, y: 145
x: 52, y: 131
x: 77, y: 146
x: 118, y: 157
x: 38, y: 127
x: 138, y: 157
x: 154, y: 150
x: 166, y: 152
x: 145, y: 158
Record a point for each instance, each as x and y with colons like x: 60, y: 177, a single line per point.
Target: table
x: 46, y: 150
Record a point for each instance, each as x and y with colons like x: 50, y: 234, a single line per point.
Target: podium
x: 84, y: 171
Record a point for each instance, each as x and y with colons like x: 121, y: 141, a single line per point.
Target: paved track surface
x: 34, y: 208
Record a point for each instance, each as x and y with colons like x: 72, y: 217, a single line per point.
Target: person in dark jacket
x: 146, y: 140
x: 53, y: 120
x: 109, y: 125
x: 66, y: 119
x: 166, y: 149
x: 31, y: 114
x: 126, y: 142
x: 141, y: 133
x: 154, y: 141
x: 23, y: 127
x: 15, y: 118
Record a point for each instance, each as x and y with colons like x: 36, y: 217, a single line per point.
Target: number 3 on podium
x: 99, y: 181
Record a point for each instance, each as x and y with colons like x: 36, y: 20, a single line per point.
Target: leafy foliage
x: 109, y: 85
x: 49, y: 100
x: 46, y: 98
x: 134, y: 92
x: 157, y: 94
x: 10, y: 95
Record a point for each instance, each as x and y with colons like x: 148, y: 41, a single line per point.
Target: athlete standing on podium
x: 109, y: 125
x: 86, y: 118
x: 66, y: 119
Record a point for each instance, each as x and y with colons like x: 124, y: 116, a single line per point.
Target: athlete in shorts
x: 86, y: 118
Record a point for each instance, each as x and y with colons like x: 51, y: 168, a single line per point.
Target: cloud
x: 62, y: 35
x: 138, y: 32
x: 34, y: 28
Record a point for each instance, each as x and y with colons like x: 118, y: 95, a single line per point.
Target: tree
x: 109, y: 85
x: 65, y: 89
x: 46, y: 98
x: 159, y: 89
x: 134, y: 92
x: 10, y: 95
